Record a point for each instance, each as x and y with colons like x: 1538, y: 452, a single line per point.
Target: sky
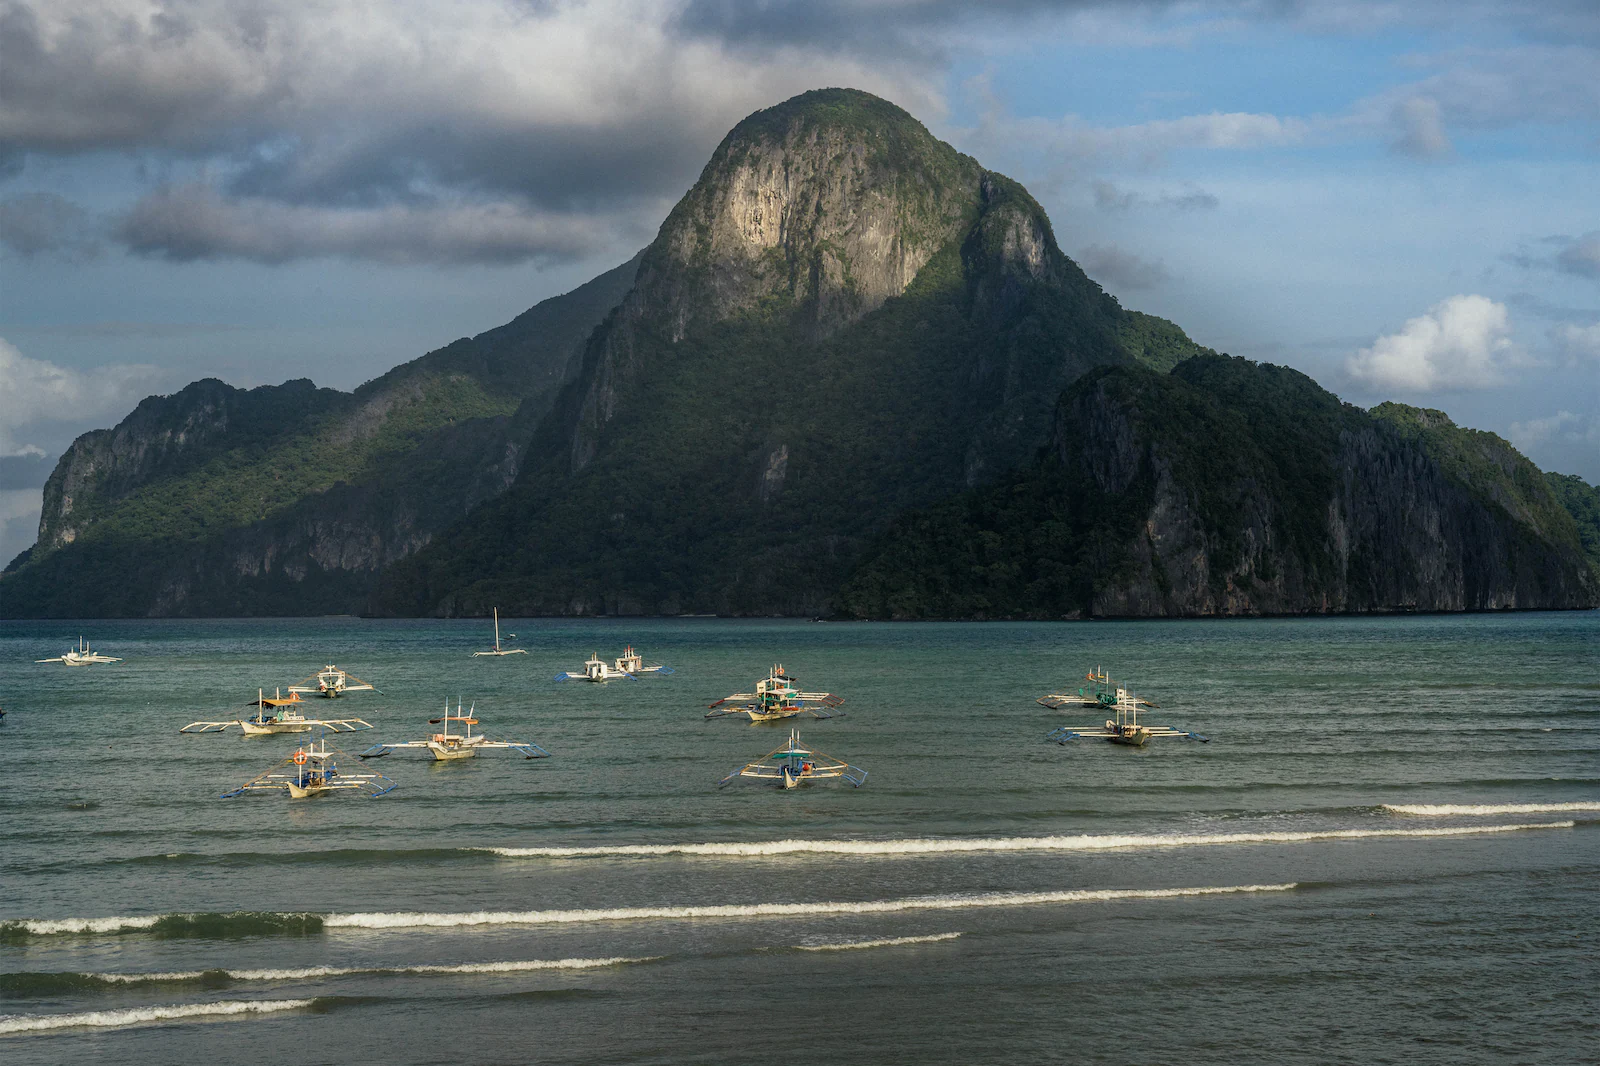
x: 1400, y: 198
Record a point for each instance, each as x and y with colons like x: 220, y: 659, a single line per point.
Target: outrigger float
x: 278, y: 714
x: 1123, y: 728
x: 331, y: 683
x: 312, y: 770
x: 81, y: 656
x: 630, y: 665
x: 497, y: 649
x: 446, y: 745
x: 776, y: 698
x: 790, y: 765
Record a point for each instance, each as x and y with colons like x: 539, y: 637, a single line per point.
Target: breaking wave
x: 116, y: 1019
x: 34, y: 984
x: 956, y: 845
x: 1440, y: 809
x: 890, y: 942
x: 212, y: 926
x: 428, y: 919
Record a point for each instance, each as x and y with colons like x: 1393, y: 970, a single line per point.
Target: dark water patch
x: 210, y: 926
x: 38, y: 985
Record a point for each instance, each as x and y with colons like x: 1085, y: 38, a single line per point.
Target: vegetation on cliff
x: 1270, y: 478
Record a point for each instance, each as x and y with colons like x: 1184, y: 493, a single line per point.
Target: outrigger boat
x: 1124, y: 727
x: 790, y: 765
x: 332, y: 682
x: 464, y: 745
x: 313, y: 769
x: 278, y: 714
x: 81, y: 656
x: 498, y: 650
x: 1102, y: 692
x: 775, y: 698
x: 630, y: 665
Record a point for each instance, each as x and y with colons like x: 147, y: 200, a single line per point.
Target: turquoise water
x: 1386, y: 854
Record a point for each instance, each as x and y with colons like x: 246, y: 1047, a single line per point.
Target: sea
x: 1388, y: 850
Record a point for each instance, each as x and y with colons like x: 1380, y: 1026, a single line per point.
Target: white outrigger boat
x: 776, y: 698
x: 1123, y: 727
x: 791, y: 765
x: 312, y: 770
x: 81, y: 656
x: 331, y: 683
x: 497, y: 649
x: 278, y: 714
x: 446, y: 745
x: 630, y: 666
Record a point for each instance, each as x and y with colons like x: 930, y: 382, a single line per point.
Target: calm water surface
x: 1404, y: 813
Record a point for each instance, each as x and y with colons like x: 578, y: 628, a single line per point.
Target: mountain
x: 843, y: 318
x: 1227, y: 487
x: 289, y: 499
x: 853, y: 374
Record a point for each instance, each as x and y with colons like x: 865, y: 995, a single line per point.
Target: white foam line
x: 891, y: 942
x: 81, y: 925
x: 425, y: 919
x: 957, y: 845
x: 28, y: 1023
x: 1439, y: 809
x: 312, y: 972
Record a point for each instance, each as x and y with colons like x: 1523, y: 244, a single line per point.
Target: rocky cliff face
x: 1230, y: 488
x: 843, y: 317
x: 1392, y: 522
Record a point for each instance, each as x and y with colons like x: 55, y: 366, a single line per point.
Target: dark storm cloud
x: 1108, y: 197
x: 191, y: 222
x: 510, y: 128
x: 1581, y: 256
x: 1118, y: 269
x: 42, y: 223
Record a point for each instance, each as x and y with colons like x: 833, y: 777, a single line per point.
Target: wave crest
x: 30, y: 1023
x: 424, y: 919
x: 888, y: 942
x: 1440, y: 809
x: 958, y: 845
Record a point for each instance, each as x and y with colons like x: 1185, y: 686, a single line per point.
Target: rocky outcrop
x: 1391, y: 523
x: 292, y: 499
x: 1230, y: 488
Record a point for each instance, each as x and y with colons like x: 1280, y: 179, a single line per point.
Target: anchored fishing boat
x: 446, y: 745
x: 82, y: 655
x: 629, y: 666
x: 312, y: 770
x: 1123, y: 727
x: 791, y: 765
x: 776, y: 697
x: 331, y: 682
x: 497, y: 649
x: 278, y: 714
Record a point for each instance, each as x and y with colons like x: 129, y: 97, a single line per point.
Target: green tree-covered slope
x: 1228, y: 487
x: 290, y: 498
x: 777, y: 388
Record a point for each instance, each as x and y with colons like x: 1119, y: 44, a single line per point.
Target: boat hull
x: 1133, y: 738
x: 251, y: 729
x: 448, y: 754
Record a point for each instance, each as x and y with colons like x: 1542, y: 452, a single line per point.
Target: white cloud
x: 19, y: 520
x: 1463, y: 342
x: 1538, y: 430
x: 1421, y: 133
x: 1578, y: 343
x: 34, y: 391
